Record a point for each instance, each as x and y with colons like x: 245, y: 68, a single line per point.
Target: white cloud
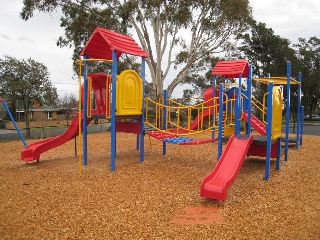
x: 36, y: 39
x: 289, y: 19
x: 4, y: 36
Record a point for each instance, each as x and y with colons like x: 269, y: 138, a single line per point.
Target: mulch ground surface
x: 158, y: 198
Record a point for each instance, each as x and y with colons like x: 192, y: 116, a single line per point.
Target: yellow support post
x: 80, y: 125
x: 89, y: 97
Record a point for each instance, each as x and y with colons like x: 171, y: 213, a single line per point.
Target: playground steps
x: 259, y: 126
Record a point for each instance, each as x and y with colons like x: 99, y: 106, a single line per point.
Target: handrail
x: 206, y: 108
x: 14, y: 122
x: 260, y: 106
x: 264, y: 107
x: 192, y: 132
x: 89, y: 108
x: 80, y: 61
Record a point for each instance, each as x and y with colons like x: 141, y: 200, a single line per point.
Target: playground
x: 118, y: 185
x: 49, y: 200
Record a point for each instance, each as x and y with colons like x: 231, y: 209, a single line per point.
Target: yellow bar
x: 79, y: 122
x: 264, y: 107
x: 80, y: 61
x: 189, y: 118
x: 89, y: 108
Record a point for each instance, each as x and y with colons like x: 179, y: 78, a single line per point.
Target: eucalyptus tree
x: 68, y: 103
x: 268, y: 53
x: 178, y: 35
x: 25, y: 83
x: 308, y: 52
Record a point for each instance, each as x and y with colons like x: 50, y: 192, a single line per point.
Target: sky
x: 37, y: 37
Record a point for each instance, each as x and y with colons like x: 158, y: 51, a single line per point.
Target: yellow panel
x: 276, y: 113
x: 129, y: 93
x: 228, y: 131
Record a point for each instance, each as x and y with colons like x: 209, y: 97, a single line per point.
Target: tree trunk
x: 27, y: 123
x: 67, y: 115
x: 159, y: 120
x: 294, y: 125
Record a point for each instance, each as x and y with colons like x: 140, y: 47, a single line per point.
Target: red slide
x: 259, y: 126
x: 33, y: 151
x: 194, y: 125
x: 199, y: 119
x: 216, y: 184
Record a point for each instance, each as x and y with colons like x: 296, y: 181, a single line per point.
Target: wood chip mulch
x: 50, y: 200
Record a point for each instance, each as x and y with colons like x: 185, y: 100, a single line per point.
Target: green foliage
x: 308, y: 53
x: 266, y: 52
x: 178, y: 35
x: 200, y: 82
x: 24, y: 83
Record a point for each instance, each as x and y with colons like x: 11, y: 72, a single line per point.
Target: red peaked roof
x: 102, y: 42
x: 231, y: 69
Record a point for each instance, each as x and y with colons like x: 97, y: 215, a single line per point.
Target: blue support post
x: 238, y: 107
x: 269, y: 130
x: 14, y: 122
x: 165, y: 103
x: 302, y: 124
x: 143, y: 76
x: 287, y: 111
x: 113, y: 111
x: 84, y: 113
x: 299, y: 112
x: 220, y: 128
x: 249, y: 101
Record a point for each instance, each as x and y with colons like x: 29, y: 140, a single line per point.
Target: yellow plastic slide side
x: 129, y: 93
x: 277, y: 113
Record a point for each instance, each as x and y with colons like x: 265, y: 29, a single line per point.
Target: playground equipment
x: 230, y: 107
x: 119, y: 98
x: 13, y: 121
x: 215, y: 185
x: 34, y: 150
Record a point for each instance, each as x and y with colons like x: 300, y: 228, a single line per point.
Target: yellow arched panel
x: 276, y: 113
x: 129, y: 93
